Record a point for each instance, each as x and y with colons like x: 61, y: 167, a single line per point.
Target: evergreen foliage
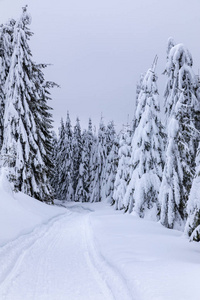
x: 98, y: 158
x: 54, y: 181
x: 106, y: 145
x: 77, y: 153
x: 95, y: 165
x: 147, y: 172
x: 26, y: 143
x: 147, y: 151
x: 63, y: 182
x: 84, y: 178
x: 192, y: 227
x: 122, y: 178
x: 84, y: 173
x: 6, y: 49
x: 181, y: 104
x: 111, y: 170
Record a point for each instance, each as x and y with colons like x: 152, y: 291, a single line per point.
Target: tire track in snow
x: 105, y: 272
x: 12, y: 253
x: 54, y: 266
x: 41, y: 246
x: 43, y: 267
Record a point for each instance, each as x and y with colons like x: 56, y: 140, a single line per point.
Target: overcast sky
x: 99, y: 48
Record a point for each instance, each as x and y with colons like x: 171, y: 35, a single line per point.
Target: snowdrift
x: 19, y: 213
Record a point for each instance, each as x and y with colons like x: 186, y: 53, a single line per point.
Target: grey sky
x: 99, y: 49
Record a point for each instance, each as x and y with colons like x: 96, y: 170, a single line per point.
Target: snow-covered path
x: 59, y: 260
x: 89, y: 251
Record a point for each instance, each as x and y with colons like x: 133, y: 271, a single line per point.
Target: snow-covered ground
x: 20, y: 214
x: 153, y: 262
x: 90, y: 251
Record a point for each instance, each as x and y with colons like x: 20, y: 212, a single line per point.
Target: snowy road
x: 89, y: 251
x: 59, y: 260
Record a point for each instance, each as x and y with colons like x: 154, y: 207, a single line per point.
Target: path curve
x: 58, y: 261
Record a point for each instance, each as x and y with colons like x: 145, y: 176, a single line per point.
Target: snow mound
x: 19, y: 213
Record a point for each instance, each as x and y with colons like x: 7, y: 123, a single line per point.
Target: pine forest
x: 107, y: 211
x: 150, y: 168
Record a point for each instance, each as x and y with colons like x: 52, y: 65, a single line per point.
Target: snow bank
x: 19, y: 213
x: 156, y: 263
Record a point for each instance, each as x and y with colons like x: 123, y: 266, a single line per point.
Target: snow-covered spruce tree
x: 106, y: 146
x: 111, y: 170
x: 20, y: 151
x: 110, y: 136
x: 192, y: 227
x: 170, y: 88
x: 81, y: 193
x: 122, y: 189
x: 139, y: 110
x: 54, y: 175
x: 98, y: 158
x: 95, y: 166
x: 6, y: 49
x: 122, y: 176
x: 180, y: 105
x: 138, y: 88
x: 88, y: 146
x: 84, y: 179
x: 97, y: 161
x: 76, y: 152
x: 102, y: 153
x: 43, y: 119
x: 69, y: 161
x: 147, y: 150
x: 102, y: 145
x: 60, y: 157
x: 64, y: 163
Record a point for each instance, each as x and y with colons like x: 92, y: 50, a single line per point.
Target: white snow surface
x: 89, y: 251
x: 20, y: 214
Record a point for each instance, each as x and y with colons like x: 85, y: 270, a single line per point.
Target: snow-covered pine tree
x: 43, y: 119
x: 139, y: 109
x: 81, y: 193
x: 180, y: 106
x: 122, y: 176
x: 64, y: 162
x: 76, y: 152
x: 95, y: 167
x: 138, y: 88
x: 102, y: 153
x: 69, y: 162
x: 106, y: 146
x: 102, y: 144
x: 20, y: 150
x: 97, y: 163
x: 89, y: 145
x: 85, y: 172
x: 122, y: 189
x: 170, y: 89
x: 54, y: 174
x: 60, y: 157
x: 192, y: 227
x: 110, y: 136
x: 6, y: 49
x: 16, y: 147
x: 111, y: 170
x: 147, y: 151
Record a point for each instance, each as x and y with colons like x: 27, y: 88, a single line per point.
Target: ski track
x: 12, y: 253
x: 114, y: 280
x: 59, y: 260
